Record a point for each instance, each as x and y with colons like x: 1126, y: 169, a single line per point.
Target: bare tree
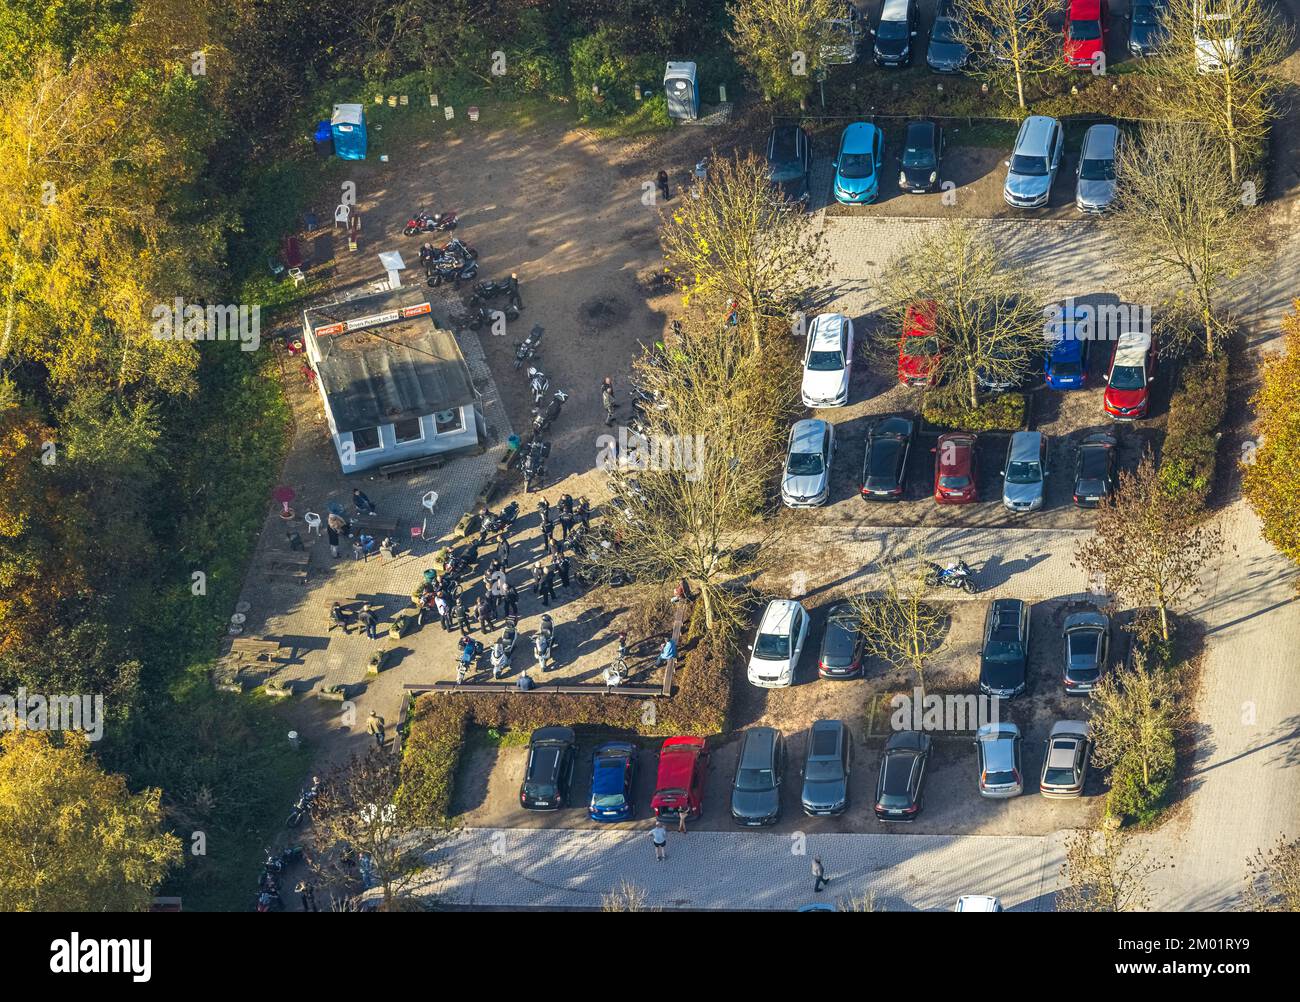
x: 1105, y: 871
x: 1011, y: 41
x: 780, y: 42
x: 1274, y: 881
x: 898, y: 625
x: 985, y: 314
x: 739, y: 243
x: 627, y: 897
x: 1179, y: 216
x: 1149, y: 549
x: 1218, y: 65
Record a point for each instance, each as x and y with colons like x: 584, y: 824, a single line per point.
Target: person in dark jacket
x: 661, y: 181
x: 462, y: 616
x: 503, y: 553
x: 364, y: 505
x: 546, y: 589
x: 483, y: 609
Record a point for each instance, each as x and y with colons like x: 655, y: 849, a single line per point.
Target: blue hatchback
x: 613, y: 771
x: 858, y: 163
x: 1066, y: 365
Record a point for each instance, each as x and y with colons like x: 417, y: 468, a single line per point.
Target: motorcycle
x: 451, y: 268
x: 470, y: 650
x: 534, y: 468
x: 423, y: 222
x: 504, y: 647
x: 456, y: 247
x: 957, y: 576
x: 544, y: 649
x: 478, y: 317
x: 304, y: 805
x: 538, y: 384
x: 269, y: 901
x: 490, y: 521
x: 527, y: 348
x: 544, y: 419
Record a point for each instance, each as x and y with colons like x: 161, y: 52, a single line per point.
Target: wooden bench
x: 377, y: 524
x: 434, y: 462
x: 298, y: 574
x: 255, y: 648
x: 639, y: 691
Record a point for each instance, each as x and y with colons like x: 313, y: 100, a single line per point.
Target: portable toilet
x: 683, y: 90
x: 348, y: 127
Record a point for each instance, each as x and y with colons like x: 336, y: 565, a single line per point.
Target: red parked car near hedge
x: 918, y: 348
x: 1086, y: 31
x: 680, y: 783
x: 1130, y: 374
x: 956, y: 469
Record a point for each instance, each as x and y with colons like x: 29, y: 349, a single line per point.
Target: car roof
x: 1025, y: 445
x: 1084, y: 9
x: 552, y: 734
x: 758, y: 745
x: 858, y: 137
x: 1099, y: 141
x: 805, y: 432
x: 1076, y: 728
x: 1131, y: 348
x: 827, y: 327
x: 922, y: 130
x: 1099, y: 439
x: 994, y: 731
x: 824, y: 738
x: 777, y: 616
x: 893, y: 425
x: 895, y: 10
x: 906, y: 741
x: 1034, y: 131
x: 1097, y: 620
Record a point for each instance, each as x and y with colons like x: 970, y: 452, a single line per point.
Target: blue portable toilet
x: 348, y: 127
x: 683, y: 91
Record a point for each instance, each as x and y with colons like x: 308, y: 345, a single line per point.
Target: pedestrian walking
x: 820, y: 879
x: 512, y: 601
x: 332, y: 534
x: 547, y: 588
x: 444, y: 611
x: 503, y: 553
x: 607, y: 401
x: 512, y: 291
x: 660, y: 837
x: 484, y: 611
x: 661, y: 181
x: 375, y: 727
x: 339, y: 617
x: 548, y: 530
x: 564, y: 567
x: 462, y: 616
x: 681, y: 821
x: 364, y: 505
x: 370, y: 621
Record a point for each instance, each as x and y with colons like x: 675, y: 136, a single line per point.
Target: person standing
x: 584, y: 513
x: 444, y: 611
x: 370, y: 621
x: 332, y: 534
x: 484, y: 611
x: 681, y: 820
x: 503, y: 553
x: 539, y: 572
x: 512, y: 601
x: 548, y: 530
x: 512, y: 291
x: 661, y: 181
x: 607, y: 399
x: 820, y: 879
x: 547, y: 587
x: 462, y: 615
x: 563, y: 567
x: 660, y: 837
x: 364, y: 505
x: 375, y: 727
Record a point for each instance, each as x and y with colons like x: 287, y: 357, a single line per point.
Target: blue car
x: 1066, y: 365
x: 613, y: 771
x: 858, y: 163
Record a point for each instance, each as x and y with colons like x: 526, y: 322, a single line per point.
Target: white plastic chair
x: 429, y: 500
x: 298, y: 277
x: 341, y: 213
x: 313, y: 522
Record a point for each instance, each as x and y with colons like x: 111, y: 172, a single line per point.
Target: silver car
x: 999, y: 754
x: 806, y: 481
x: 1034, y: 162
x: 1095, y: 189
x: 1087, y: 643
x: 1065, y: 760
x: 1024, y: 477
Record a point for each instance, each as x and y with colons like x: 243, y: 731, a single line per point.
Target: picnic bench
x: 229, y: 673
x: 377, y: 524
x: 291, y: 252
x: 433, y: 462
x: 290, y: 564
x: 254, y: 648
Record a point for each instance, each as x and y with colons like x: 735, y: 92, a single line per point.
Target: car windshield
x: 825, y: 770
x: 892, y: 31
x: 919, y: 156
x: 1002, y: 650
x: 607, y: 800
x: 539, y: 791
x: 920, y: 347
x: 945, y: 32
x: 1028, y: 166
x: 1024, y: 472
x: 772, y: 646
x: 1097, y: 170
x: 1059, y: 777
x: 804, y: 464
x: 754, y: 780
x: 1127, y: 377
x: 825, y: 361
x: 1083, y: 645
x: 1094, y: 463
x: 1146, y: 14
x: 954, y: 483
x: 856, y: 165
x: 1085, y: 31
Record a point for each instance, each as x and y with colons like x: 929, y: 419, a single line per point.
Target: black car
x: 789, y: 162
x: 899, y: 21
x: 922, y: 154
x: 1094, y: 470
x: 552, y: 752
x: 826, y: 766
x: 946, y: 52
x: 1004, y: 658
x: 841, y: 655
x: 756, y: 790
x: 883, y: 466
x: 902, y: 771
x: 1146, y: 30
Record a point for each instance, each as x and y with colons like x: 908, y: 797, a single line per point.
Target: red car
x: 1086, y: 32
x: 680, y: 784
x: 956, y: 469
x: 918, y: 348
x: 1129, y: 377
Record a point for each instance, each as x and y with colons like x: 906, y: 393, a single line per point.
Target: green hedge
x: 1187, y: 458
x: 995, y: 412
x: 440, y: 721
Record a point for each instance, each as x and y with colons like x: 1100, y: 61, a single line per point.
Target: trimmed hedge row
x: 995, y: 412
x: 439, y: 722
x: 1197, y: 408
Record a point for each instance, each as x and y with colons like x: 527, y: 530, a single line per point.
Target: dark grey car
x: 756, y: 790
x: 1087, y: 647
x: 827, y: 763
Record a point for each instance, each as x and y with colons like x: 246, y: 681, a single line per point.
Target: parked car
x: 789, y: 162
x: 978, y: 903
x: 679, y: 786
x: 899, y: 23
x: 1094, y: 470
x: 857, y: 164
x: 946, y: 53
x: 1024, y: 478
x: 902, y: 771
x: 845, y: 34
x: 923, y: 145
x: 1065, y: 366
x: 756, y: 789
x: 827, y: 763
x: 1004, y: 656
x: 828, y: 361
x: 1035, y: 159
x: 1094, y: 190
x: 1132, y: 370
x: 956, y: 468
x: 918, y: 348
x: 1087, y: 648
x: 998, y: 748
x: 778, y: 644
x: 806, y: 482
x: 885, y: 462
x: 613, y: 777
x: 1146, y: 28
x: 1087, y: 28
x: 841, y: 653
x: 1065, y: 760
x: 1215, y: 37
x: 548, y: 776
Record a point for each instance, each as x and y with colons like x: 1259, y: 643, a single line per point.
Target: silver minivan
x: 1095, y: 188
x: 1034, y: 162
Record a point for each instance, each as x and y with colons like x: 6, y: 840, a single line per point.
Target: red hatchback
x: 956, y: 469
x: 1129, y: 377
x: 918, y: 348
x: 680, y: 784
x: 1086, y: 32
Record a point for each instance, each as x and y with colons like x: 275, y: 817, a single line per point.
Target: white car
x: 778, y: 644
x: 978, y: 903
x: 828, y: 361
x: 1216, y: 41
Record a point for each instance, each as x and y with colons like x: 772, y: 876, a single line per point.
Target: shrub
x: 600, y: 60
x: 996, y: 412
x: 1187, y: 458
